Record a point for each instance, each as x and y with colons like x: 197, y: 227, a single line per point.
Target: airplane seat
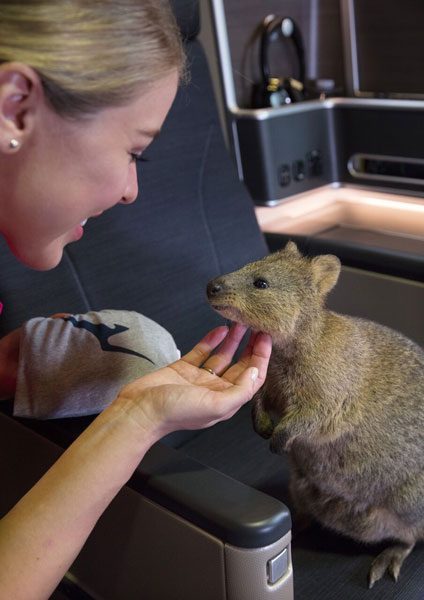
x: 178, y: 530
x: 205, y: 515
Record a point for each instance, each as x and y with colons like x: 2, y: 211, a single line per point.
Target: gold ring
x: 208, y: 370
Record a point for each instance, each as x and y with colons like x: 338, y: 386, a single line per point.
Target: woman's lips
x: 78, y: 233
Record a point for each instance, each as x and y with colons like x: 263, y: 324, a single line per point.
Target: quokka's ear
x: 325, y: 272
x: 291, y: 248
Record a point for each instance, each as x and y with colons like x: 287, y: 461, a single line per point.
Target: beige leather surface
x: 246, y: 573
x: 391, y: 301
x: 140, y: 551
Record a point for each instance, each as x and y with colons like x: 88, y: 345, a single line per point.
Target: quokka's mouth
x: 219, y: 307
x: 234, y: 314
x: 229, y: 312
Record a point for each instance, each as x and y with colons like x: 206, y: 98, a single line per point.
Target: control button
x: 284, y: 176
x: 277, y: 566
x: 314, y: 160
x: 298, y: 170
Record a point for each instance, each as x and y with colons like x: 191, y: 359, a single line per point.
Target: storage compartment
x: 386, y: 168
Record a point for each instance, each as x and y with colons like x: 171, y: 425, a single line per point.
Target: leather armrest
x: 233, y: 512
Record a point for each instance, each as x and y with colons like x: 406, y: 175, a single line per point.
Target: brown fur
x: 344, y: 397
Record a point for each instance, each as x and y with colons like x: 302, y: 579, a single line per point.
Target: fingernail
x: 254, y: 373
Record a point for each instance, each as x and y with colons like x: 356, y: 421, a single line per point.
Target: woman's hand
x: 186, y: 395
x: 9, y: 360
x: 44, y: 532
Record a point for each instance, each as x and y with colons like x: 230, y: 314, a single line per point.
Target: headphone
x: 276, y: 90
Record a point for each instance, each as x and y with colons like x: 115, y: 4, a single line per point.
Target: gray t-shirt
x: 76, y: 365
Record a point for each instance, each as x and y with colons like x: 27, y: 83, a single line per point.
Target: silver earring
x: 13, y: 144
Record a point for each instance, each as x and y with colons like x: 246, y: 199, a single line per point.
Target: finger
x: 260, y: 353
x: 248, y: 381
x: 222, y: 359
x: 244, y: 359
x: 247, y: 352
x: 203, y: 349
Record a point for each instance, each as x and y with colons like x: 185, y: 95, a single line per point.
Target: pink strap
x: 1, y: 307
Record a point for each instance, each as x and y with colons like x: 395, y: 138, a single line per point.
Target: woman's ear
x: 20, y: 94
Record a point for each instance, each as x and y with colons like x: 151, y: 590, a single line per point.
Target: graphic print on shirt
x: 103, y: 332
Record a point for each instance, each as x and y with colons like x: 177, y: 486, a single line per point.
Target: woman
x: 84, y: 88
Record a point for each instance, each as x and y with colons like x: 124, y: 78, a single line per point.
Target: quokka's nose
x: 214, y: 287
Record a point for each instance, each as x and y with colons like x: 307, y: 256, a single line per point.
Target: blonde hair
x: 94, y: 53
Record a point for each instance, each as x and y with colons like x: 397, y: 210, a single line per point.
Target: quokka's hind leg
x: 404, y: 524
x: 390, y: 560
x: 299, y: 491
x: 374, y: 524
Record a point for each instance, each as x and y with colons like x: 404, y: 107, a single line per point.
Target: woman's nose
x: 131, y: 191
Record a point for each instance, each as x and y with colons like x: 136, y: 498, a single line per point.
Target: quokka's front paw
x: 281, y: 440
x: 262, y: 422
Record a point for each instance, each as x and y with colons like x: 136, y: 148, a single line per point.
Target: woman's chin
x: 41, y: 262
x: 38, y: 258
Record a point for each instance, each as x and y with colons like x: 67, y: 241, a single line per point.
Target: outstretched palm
x: 184, y: 395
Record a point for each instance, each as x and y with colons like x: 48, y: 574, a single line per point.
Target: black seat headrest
x: 187, y: 15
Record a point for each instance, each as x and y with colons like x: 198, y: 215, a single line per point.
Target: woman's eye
x: 261, y: 284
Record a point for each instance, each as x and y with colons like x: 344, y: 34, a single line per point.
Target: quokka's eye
x: 261, y: 284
